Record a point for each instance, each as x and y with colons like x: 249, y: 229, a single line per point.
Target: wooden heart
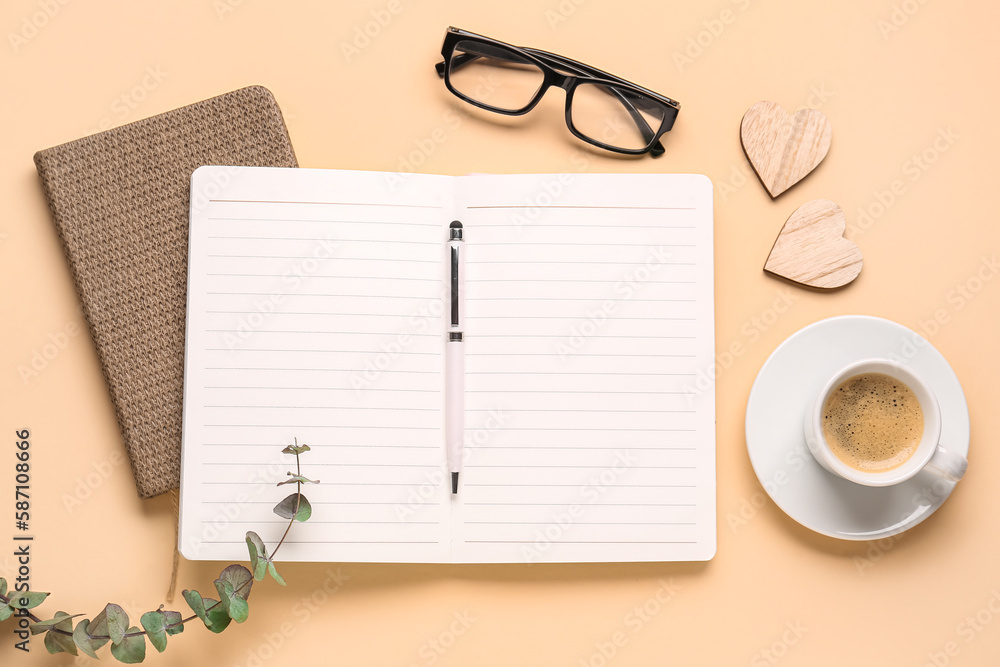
x: 783, y: 149
x: 811, y: 248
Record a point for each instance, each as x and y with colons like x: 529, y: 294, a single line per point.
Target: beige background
x: 892, y: 75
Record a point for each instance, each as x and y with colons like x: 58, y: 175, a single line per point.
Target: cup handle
x: 946, y: 464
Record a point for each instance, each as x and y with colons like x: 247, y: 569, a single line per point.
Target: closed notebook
x: 120, y: 201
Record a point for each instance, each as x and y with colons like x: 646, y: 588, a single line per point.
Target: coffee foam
x: 873, y: 422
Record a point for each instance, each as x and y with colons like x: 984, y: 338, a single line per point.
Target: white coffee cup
x: 930, y: 455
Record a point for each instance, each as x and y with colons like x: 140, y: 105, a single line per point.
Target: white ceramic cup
x: 930, y: 455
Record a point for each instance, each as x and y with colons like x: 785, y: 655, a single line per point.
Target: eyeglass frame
x: 547, y: 64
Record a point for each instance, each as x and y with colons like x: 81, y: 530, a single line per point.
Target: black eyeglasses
x: 602, y: 109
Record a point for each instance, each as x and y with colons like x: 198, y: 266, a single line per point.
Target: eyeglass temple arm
x: 458, y: 60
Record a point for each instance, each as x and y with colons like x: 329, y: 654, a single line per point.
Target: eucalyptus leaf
x: 83, y: 638
x: 293, y: 479
x: 99, y: 626
x: 59, y: 643
x: 61, y: 621
x: 217, y: 615
x: 130, y: 650
x: 274, y: 573
x: 154, y: 623
x: 117, y: 622
x: 5, y: 612
x: 258, y: 555
x: 197, y: 604
x: 174, y: 625
x: 3, y: 587
x: 296, y: 449
x: 26, y: 599
x: 286, y: 508
x: 236, y: 607
x: 240, y: 578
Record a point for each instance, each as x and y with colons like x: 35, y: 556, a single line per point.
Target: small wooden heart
x: 811, y: 248
x: 783, y: 149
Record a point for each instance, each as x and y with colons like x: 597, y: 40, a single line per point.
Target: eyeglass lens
x: 494, y: 76
x: 505, y: 80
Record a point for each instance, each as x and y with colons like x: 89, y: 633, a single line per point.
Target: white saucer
x: 792, y: 377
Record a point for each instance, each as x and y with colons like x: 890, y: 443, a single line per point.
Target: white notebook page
x: 311, y: 314
x: 589, y: 315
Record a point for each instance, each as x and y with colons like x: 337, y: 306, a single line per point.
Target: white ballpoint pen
x: 454, y: 376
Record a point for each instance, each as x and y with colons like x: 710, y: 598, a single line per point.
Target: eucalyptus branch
x: 128, y: 643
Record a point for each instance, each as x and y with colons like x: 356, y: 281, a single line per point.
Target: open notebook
x: 316, y: 304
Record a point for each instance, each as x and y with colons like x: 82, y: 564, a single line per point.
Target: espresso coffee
x: 873, y: 422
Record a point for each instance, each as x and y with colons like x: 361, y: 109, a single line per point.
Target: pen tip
x: 455, y: 224
x: 454, y: 483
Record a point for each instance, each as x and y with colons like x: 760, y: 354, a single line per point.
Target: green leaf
x: 174, y: 625
x: 197, y: 604
x: 62, y: 621
x: 274, y: 573
x: 240, y: 578
x: 286, y: 508
x: 154, y: 623
x: 26, y: 599
x: 217, y: 615
x: 5, y: 612
x: 131, y: 649
x: 3, y: 587
x: 59, y: 643
x: 296, y: 449
x: 258, y: 555
x: 117, y: 622
x: 298, y: 478
x: 83, y: 636
x: 236, y: 608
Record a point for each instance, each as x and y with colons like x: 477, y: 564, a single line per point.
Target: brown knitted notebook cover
x: 120, y: 203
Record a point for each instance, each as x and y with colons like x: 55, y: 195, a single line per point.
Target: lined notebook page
x: 589, y: 317
x: 314, y: 312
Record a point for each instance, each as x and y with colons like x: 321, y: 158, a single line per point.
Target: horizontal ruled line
x: 299, y: 349
x: 307, y: 238
x: 313, y: 502
x: 343, y: 426
x: 321, y: 407
x: 567, y: 280
x: 339, y: 370
x: 339, y: 222
x: 548, y: 262
x: 226, y: 386
x: 339, y: 333
x: 567, y: 504
x: 534, y: 541
x: 608, y: 227
x: 594, y: 410
x: 339, y: 445
x: 569, y: 243
x: 335, y: 523
x: 321, y: 312
x: 561, y: 466
x: 578, y: 373
x: 320, y: 275
x: 555, y: 298
x: 325, y: 203
x: 593, y: 207
x: 563, y: 391
x: 614, y: 449
x: 577, y: 354
x: 546, y: 523
x: 574, y: 486
x: 563, y: 336
x: 339, y: 259
x: 305, y: 294
x: 577, y: 317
